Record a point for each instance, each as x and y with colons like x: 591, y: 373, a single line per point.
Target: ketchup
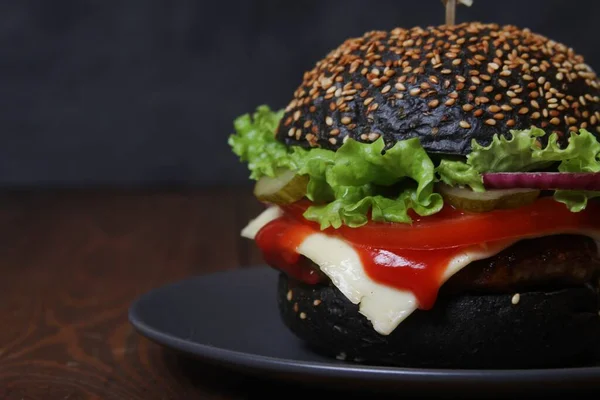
x: 279, y: 241
x: 418, y: 271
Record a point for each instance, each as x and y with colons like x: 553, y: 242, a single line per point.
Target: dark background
x: 144, y: 91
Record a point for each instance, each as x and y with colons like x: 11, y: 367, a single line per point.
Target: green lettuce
x: 351, y: 180
x: 458, y: 173
x: 255, y: 144
x: 523, y: 151
x: 358, y: 182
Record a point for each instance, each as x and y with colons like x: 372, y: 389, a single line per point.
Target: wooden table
x: 73, y: 260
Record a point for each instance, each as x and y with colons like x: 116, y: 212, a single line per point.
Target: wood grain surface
x: 71, y: 262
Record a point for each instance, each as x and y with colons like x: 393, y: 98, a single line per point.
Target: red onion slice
x: 542, y: 180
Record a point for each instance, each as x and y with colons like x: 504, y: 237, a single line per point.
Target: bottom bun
x: 544, y: 329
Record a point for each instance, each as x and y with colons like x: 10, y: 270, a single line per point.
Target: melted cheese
x: 385, y: 307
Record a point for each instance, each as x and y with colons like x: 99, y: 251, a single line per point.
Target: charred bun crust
x: 545, y: 329
x: 444, y: 85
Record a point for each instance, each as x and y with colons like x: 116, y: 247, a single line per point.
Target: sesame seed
x: 334, y: 132
x: 475, y: 80
x: 494, y: 66
x: 478, y: 113
x: 291, y: 131
x: 505, y: 72
x: 516, y: 101
x: 386, y: 89
x: 329, y: 120
x: 510, y: 122
x: 297, y: 115
x: 289, y: 295
x: 460, y: 78
x: 527, y: 77
x: 555, y: 121
x: 368, y: 101
x: 510, y: 93
x: 346, y: 120
x: 499, y: 116
x: 295, y: 307
x: 400, y: 86
x: 316, y: 302
x: 490, y: 121
x: 433, y: 103
x: 464, y: 124
x: 333, y: 141
x: 506, y: 107
x: 373, y: 136
x: 302, y: 315
x: 467, y: 107
x: 523, y: 110
x: 414, y: 91
x: 541, y: 80
x: 515, y: 299
x: 450, y: 102
x: 488, y: 89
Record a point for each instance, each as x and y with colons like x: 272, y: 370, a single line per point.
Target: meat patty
x: 550, y: 261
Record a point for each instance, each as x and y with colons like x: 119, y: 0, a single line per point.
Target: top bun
x: 445, y: 85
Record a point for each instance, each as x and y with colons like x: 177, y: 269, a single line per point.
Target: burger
x: 431, y: 200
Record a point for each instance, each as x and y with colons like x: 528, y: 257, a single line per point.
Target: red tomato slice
x: 454, y: 228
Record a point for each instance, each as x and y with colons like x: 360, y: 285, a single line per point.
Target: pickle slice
x: 284, y: 188
x: 468, y: 200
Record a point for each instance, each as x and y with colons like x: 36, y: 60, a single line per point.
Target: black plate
x: 231, y: 318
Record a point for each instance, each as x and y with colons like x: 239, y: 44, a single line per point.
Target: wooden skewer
x: 451, y: 9
x: 450, y: 12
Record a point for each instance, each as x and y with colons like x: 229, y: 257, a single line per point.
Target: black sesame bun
x: 536, y: 329
x: 445, y: 85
